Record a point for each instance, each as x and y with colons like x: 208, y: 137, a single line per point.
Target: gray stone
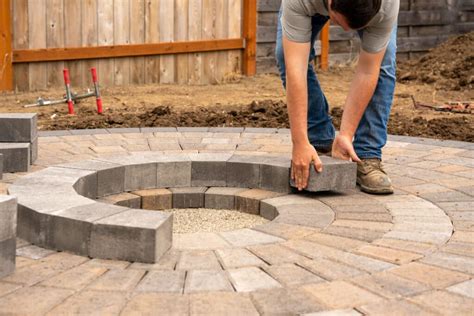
x: 18, y: 127
x: 221, y: 198
x: 337, y: 175
x: 134, y: 235
x: 92, y: 131
x: 7, y: 256
x: 87, y: 186
x: 16, y: 156
x: 243, y: 171
x: 173, y: 174
x: 141, y: 176
x: 8, y: 211
x: 34, y: 150
x: 206, y: 281
x: 275, y: 175
x: 208, y: 169
x: 162, y: 281
x: 54, y: 133
x: 123, y: 199
x: 188, y: 197
x: 1, y: 166
x: 71, y: 229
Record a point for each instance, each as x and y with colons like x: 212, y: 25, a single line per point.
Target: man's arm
x: 296, y: 62
x: 361, y: 91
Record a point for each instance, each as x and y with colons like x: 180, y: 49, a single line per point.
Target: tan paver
x: 387, y: 254
x: 238, y: 258
x: 91, y: 303
x: 6, y: 288
x: 117, y: 280
x: 291, y: 275
x: 395, y: 308
x: 198, y: 260
x: 275, y: 254
x: 162, y: 281
x: 157, y: 304
x: 194, y: 241
x: 445, y: 303
x: 251, y: 279
x: 285, y: 302
x: 329, y: 269
x: 222, y: 304
x: 75, y: 278
x: 335, y: 241
x: 207, y: 281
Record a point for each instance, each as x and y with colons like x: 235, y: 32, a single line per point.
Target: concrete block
x: 87, y: 186
x: 243, y: 171
x: 7, y: 256
x: 209, y: 169
x: 8, y: 216
x: 16, y: 156
x: 34, y: 150
x: 155, y: 199
x: 337, y: 175
x: 123, y: 199
x: 110, y: 176
x: 1, y: 166
x: 275, y: 175
x: 173, y: 174
x: 140, y: 176
x: 221, y: 198
x: 188, y: 197
x: 18, y: 127
x: 249, y: 201
x: 70, y: 229
x: 134, y: 235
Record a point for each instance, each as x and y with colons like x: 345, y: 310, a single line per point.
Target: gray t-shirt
x: 296, y: 22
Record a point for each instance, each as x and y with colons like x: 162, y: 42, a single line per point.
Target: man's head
x: 353, y: 14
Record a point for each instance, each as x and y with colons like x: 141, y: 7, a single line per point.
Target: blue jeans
x: 371, y: 134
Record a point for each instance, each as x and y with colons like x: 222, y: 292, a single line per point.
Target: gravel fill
x: 194, y: 220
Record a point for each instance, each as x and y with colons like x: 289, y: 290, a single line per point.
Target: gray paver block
x: 70, y: 229
x: 188, y: 197
x: 155, y: 199
x: 1, y: 166
x: 18, y: 127
x: 16, y: 156
x: 249, y: 201
x: 134, y: 235
x: 162, y: 281
x: 269, y: 207
x: 140, y: 176
x: 209, y: 169
x: 221, y: 198
x: 34, y: 150
x: 8, y: 216
x: 337, y: 175
x: 174, y: 174
x: 87, y: 186
x: 251, y: 279
x: 7, y: 256
x: 243, y: 171
x: 206, y: 281
x: 123, y: 199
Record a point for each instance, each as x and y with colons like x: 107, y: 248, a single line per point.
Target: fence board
x: 122, y: 36
x: 137, y: 36
x: 55, y: 38
x: 152, y: 35
x: 167, y: 63
x: 73, y: 38
x: 20, y: 41
x: 89, y: 37
x: 209, y: 9
x: 105, y: 14
x: 195, y: 67
x: 181, y: 35
x: 235, y: 30
x: 37, y: 39
x: 222, y: 31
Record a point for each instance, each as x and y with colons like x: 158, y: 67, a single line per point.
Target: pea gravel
x: 194, y: 220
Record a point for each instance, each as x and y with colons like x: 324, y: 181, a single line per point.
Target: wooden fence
x: 129, y: 41
x: 423, y: 24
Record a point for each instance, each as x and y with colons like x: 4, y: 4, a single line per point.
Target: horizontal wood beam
x: 95, y: 52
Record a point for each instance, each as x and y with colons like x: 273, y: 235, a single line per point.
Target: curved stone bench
x: 58, y: 207
x: 8, y: 207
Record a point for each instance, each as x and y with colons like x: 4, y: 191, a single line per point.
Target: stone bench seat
x: 8, y: 208
x: 58, y: 206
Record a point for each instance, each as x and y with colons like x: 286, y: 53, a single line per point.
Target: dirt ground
x: 259, y: 102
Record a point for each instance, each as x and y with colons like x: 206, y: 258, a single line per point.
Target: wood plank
x: 37, y: 39
x: 137, y: 36
x: 20, y: 41
x: 194, y: 34
x: 90, y: 33
x: 152, y: 35
x: 105, y: 14
x: 235, y: 31
x: 222, y: 25
x: 55, y: 38
x: 167, y: 63
x: 122, y: 37
x: 419, y: 43
x: 250, y: 35
x: 427, y: 17
x: 269, y: 5
x: 74, y: 53
x: 181, y: 35
x: 6, y: 69
x: 73, y: 38
x: 209, y: 13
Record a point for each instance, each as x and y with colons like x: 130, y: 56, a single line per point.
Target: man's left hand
x: 342, y: 148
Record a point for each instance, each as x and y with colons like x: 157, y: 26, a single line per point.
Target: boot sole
x: 375, y: 191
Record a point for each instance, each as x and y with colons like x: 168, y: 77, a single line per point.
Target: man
x: 363, y: 131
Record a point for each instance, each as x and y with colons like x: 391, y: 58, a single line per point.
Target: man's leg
x: 371, y: 135
x: 320, y: 128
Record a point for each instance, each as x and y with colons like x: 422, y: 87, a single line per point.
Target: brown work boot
x: 372, y: 178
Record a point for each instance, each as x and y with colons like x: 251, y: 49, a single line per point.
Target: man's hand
x: 342, y: 148
x: 303, y: 156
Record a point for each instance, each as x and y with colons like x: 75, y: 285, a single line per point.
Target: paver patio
x: 407, y: 253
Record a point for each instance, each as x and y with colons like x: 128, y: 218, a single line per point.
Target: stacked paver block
x: 18, y: 141
x: 8, y: 209
x: 1, y: 166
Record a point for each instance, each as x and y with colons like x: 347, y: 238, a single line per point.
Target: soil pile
x: 267, y: 113
x: 450, y: 66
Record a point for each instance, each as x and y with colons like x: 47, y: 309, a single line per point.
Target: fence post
x: 250, y: 35
x: 6, y: 68
x: 325, y: 47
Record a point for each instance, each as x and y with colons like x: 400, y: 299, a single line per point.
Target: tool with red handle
x: 96, y: 89
x: 67, y: 82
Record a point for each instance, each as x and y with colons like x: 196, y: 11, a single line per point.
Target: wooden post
x: 325, y: 47
x: 6, y: 68
x: 250, y: 35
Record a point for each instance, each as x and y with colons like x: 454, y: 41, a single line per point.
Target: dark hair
x: 357, y: 12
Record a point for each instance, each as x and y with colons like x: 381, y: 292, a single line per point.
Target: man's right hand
x: 304, y: 155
